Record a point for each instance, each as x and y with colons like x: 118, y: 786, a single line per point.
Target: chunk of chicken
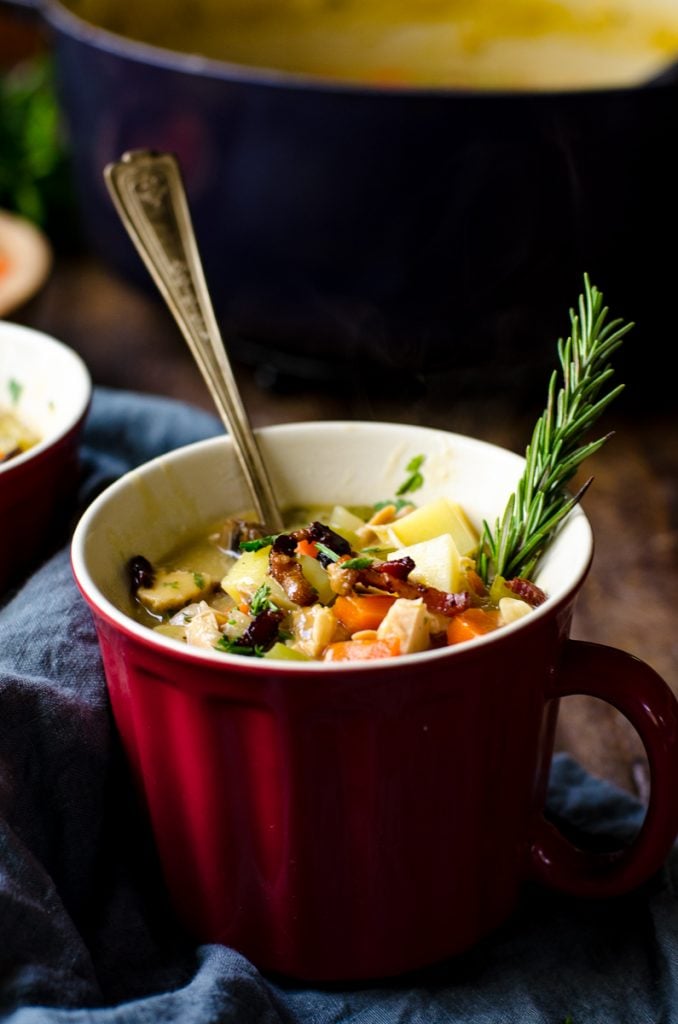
x: 172, y: 590
x: 408, y: 621
x: 313, y: 628
x: 202, y: 629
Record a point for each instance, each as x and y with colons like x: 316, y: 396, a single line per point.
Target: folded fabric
x: 86, y: 934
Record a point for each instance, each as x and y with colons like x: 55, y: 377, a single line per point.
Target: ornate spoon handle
x: 148, y: 193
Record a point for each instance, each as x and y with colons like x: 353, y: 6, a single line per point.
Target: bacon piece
x: 285, y: 568
x: 438, y: 601
x: 318, y: 532
x: 399, y: 568
x: 342, y: 581
x: 529, y: 591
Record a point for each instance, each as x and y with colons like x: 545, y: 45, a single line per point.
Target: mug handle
x: 645, y: 699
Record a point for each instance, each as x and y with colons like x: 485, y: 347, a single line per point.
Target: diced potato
x: 172, y: 590
x: 512, y: 608
x: 278, y: 595
x: 437, y: 563
x: 431, y: 520
x: 408, y: 622
x: 246, y: 574
x: 346, y: 524
x: 318, y: 577
x: 284, y: 653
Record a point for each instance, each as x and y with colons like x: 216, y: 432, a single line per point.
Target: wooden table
x: 630, y: 599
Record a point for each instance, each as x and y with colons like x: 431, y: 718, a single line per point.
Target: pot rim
x: 61, y: 18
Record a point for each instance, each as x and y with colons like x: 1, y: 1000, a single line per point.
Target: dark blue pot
x: 350, y: 230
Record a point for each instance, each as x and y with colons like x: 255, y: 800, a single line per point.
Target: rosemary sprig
x: 541, y: 502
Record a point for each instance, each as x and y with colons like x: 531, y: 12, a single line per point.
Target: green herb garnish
x: 228, y: 646
x: 540, y: 501
x: 199, y: 580
x: 399, y: 503
x: 357, y: 563
x: 415, y: 480
x: 15, y: 389
x: 261, y: 601
x: 328, y: 552
x: 258, y: 542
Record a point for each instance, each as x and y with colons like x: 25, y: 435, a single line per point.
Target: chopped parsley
x: 399, y: 503
x: 15, y: 389
x: 172, y: 584
x: 199, y: 580
x: 261, y: 601
x: 229, y: 646
x: 415, y: 480
x: 359, y: 562
x: 258, y: 543
x: 327, y: 552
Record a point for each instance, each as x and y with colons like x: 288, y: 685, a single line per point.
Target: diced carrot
x: 361, y: 611
x: 244, y: 607
x: 475, y: 583
x: 307, y: 547
x: 361, y: 650
x: 472, y: 623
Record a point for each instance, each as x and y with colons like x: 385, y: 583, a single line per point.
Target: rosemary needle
x: 541, y: 501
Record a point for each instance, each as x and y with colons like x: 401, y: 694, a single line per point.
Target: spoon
x: 148, y: 193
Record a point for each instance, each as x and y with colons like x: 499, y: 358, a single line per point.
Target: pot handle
x: 645, y: 699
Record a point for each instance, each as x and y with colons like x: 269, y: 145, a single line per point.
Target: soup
x: 15, y: 436
x: 342, y: 584
x: 486, y: 44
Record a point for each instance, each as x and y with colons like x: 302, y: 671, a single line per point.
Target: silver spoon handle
x: 148, y: 193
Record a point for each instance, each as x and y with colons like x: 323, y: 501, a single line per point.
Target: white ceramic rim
x: 577, y: 524
x: 78, y: 394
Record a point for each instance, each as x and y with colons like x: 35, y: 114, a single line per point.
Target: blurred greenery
x: 35, y: 174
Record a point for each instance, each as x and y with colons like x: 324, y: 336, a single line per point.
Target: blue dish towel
x: 85, y: 930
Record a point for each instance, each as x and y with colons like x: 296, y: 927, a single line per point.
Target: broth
x: 15, y: 436
x: 484, y: 44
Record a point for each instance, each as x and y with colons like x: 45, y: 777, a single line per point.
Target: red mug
x: 352, y: 821
x: 47, y: 386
